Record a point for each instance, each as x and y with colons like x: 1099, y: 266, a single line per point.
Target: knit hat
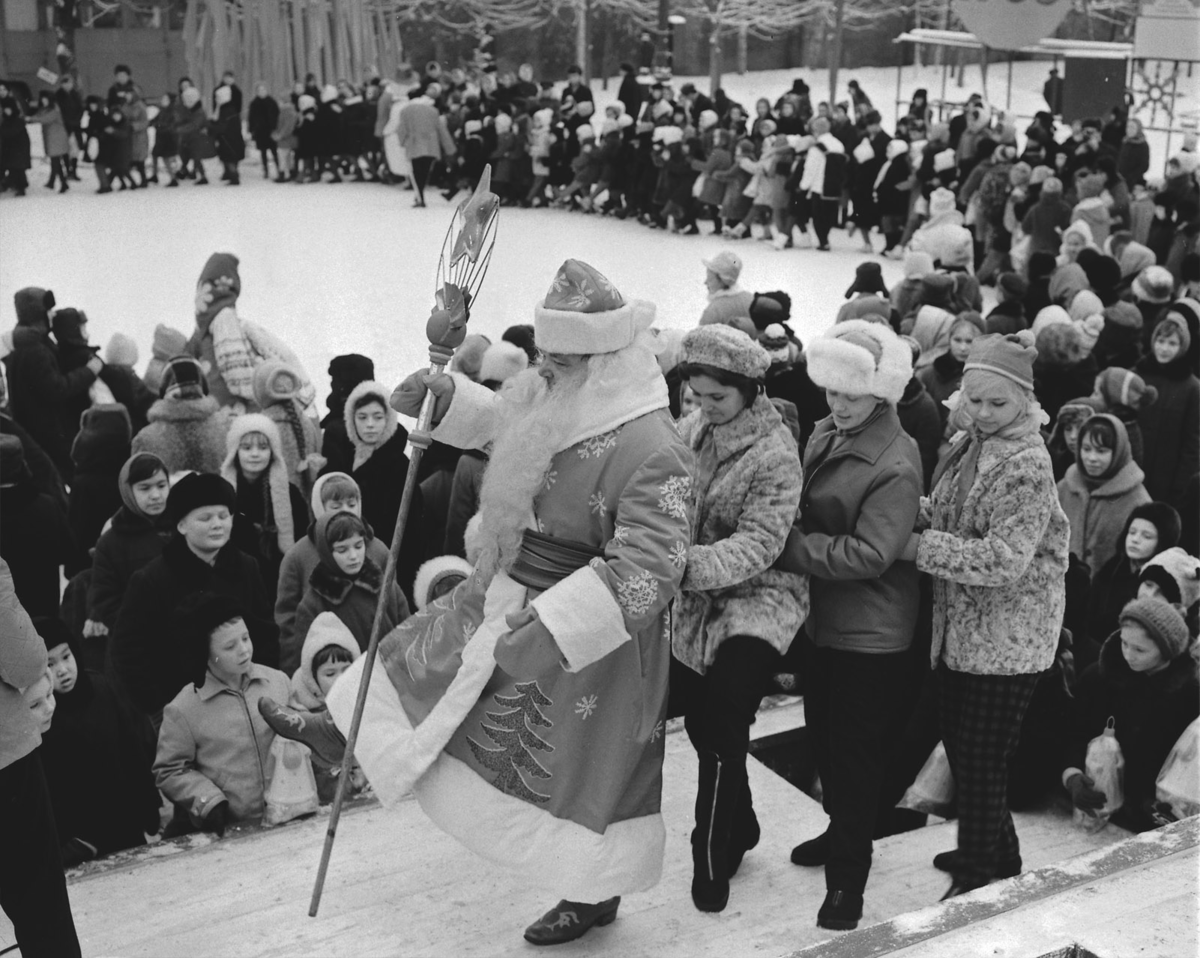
x: 725, y: 348
x: 917, y: 264
x: 1120, y: 387
x: 469, y: 356
x: 774, y: 340
x: 66, y: 324
x: 1052, y: 184
x: 1007, y: 318
x: 1175, y: 572
x: 53, y: 631
x: 708, y: 118
x: 219, y: 286
x: 196, y: 490
x: 276, y: 381
x: 583, y: 313
x: 1134, y: 258
x: 861, y: 358
x: 1122, y: 313
x: 33, y: 305
x: 1154, y: 284
x: 121, y: 351
x: 1174, y: 322
x: 1014, y: 285
x: 868, y: 278
x: 1102, y: 272
x: 438, y: 576
x: 941, y: 202
x: 1084, y: 304
x: 770, y: 308
x: 1038, y: 175
x: 183, y: 379
x: 727, y: 265
x: 13, y: 467
x: 1009, y: 356
x: 167, y: 342
x: 347, y: 371
x: 501, y: 361
x: 1161, y: 622
x: 1049, y: 316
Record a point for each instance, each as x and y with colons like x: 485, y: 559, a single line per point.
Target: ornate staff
x: 466, y: 254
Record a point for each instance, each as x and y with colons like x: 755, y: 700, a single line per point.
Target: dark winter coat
x: 146, y: 653
x: 97, y: 762
x: 1056, y: 385
x: 100, y: 450
x: 14, y: 138
x: 70, y: 104
x: 790, y: 381
x: 192, y: 128
x: 464, y: 500
x: 262, y: 120
x: 254, y: 530
x: 39, y: 393
x: 186, y: 434
x: 1150, y: 712
x: 351, y: 600
x: 941, y: 380
x: 892, y: 194
x: 166, y: 131
x: 712, y: 193
x: 116, y: 143
x: 1045, y: 222
x: 226, y: 131
x: 1170, y: 428
x: 128, y: 545
x: 860, y: 501
x: 920, y: 418
x: 35, y: 540
x: 129, y: 390
x: 45, y: 477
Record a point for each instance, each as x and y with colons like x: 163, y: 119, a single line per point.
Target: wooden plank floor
x: 399, y: 887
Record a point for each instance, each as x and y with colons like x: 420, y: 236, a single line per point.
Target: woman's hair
x: 1101, y: 433
x: 366, y: 399
x: 331, y: 653
x: 145, y: 466
x: 344, y: 525
x: 749, y: 388
x: 339, y: 487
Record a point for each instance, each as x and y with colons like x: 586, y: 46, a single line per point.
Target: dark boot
x: 948, y: 862
x: 569, y: 920
x: 716, y: 801
x: 841, y: 910
x: 812, y: 853
x: 746, y: 833
x: 314, y: 729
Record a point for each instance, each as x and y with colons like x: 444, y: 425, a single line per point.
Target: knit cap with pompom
x: 1160, y: 621
x: 1009, y: 356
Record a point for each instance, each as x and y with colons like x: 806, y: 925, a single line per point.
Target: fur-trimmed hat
x: 33, y: 305
x: 1014, y: 285
x: 1162, y: 622
x: 197, y: 490
x: 368, y: 391
x: 501, y: 361
x: 276, y: 381
x: 1085, y: 304
x: 437, y: 576
x: 1164, y: 518
x: 326, y: 630
x: 1049, y: 316
x: 1008, y: 356
x: 726, y: 348
x: 1122, y: 387
x: 1154, y: 284
x: 861, y: 358
x: 121, y: 351
x: 277, y: 472
x: 868, y: 278
x: 183, y: 379
x: 583, y: 314
x: 1176, y: 573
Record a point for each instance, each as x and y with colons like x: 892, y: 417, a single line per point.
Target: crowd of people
x: 1011, y: 498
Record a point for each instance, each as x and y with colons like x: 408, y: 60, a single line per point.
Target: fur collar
x: 363, y: 451
x: 736, y: 436
x: 1176, y: 677
x: 334, y: 587
x: 182, y: 410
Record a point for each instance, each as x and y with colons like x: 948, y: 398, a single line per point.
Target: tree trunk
x: 714, y: 59
x: 835, y: 50
x: 581, y: 38
x: 743, y: 50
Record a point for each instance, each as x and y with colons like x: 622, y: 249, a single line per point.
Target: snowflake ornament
x: 657, y: 732
x: 586, y: 706
x: 637, y: 594
x: 673, y: 496
x: 620, y: 536
x: 679, y: 555
x: 597, y: 446
x: 596, y: 503
x: 551, y: 478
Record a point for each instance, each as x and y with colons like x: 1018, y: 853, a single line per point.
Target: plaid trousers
x: 981, y: 717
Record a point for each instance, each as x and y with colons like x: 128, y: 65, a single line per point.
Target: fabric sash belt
x: 545, y: 560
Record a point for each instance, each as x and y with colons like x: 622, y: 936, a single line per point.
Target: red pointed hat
x: 584, y: 313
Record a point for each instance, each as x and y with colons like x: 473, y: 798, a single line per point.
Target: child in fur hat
x: 277, y: 386
x: 347, y: 582
x: 1174, y: 575
x: 1147, y: 684
x: 120, y: 356
x: 1171, y: 426
x: 270, y: 510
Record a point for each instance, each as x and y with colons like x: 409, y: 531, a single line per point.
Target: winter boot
x: 745, y: 833
x: 314, y: 729
x: 717, y: 798
x: 841, y: 910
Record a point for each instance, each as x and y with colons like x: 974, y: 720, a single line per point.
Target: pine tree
x: 511, y: 730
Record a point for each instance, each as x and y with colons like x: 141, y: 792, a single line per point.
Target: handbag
x: 291, y: 786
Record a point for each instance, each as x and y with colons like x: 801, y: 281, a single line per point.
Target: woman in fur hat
x: 736, y: 614
x: 862, y: 486
x: 270, y: 510
x: 996, y: 542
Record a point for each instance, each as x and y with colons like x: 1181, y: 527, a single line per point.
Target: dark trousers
x: 981, y: 719
x: 33, y: 891
x: 824, y: 217
x: 422, y: 166
x: 850, y: 708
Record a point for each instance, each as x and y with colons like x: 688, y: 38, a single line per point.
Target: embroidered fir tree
x: 513, y: 731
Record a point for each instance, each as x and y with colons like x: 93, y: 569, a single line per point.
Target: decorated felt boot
x: 314, y: 729
x: 569, y: 920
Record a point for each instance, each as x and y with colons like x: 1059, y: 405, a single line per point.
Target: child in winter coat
x: 1063, y: 441
x: 167, y: 344
x: 97, y: 758
x: 99, y: 452
x: 120, y: 356
x: 1100, y: 491
x: 139, y: 138
x: 1045, y: 222
x: 333, y: 492
x: 270, y: 510
x: 1145, y: 681
x: 115, y: 155
x: 328, y: 651
x: 211, y: 731
x: 1125, y: 394
x: 735, y: 204
x: 942, y: 377
x: 1171, y: 426
x: 347, y: 582
x: 1174, y: 575
x: 166, y: 139
x: 276, y: 388
x: 138, y: 531
x: 54, y: 139
x: 1151, y: 529
x: 186, y: 428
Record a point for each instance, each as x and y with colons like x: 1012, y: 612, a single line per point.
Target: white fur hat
x: 306, y: 102
x: 667, y: 135
x: 501, y: 361
x: 941, y: 202
x: 862, y: 359
x: 944, y: 161
x: 434, y: 573
x: 329, y: 93
x: 1182, y: 568
x: 585, y: 132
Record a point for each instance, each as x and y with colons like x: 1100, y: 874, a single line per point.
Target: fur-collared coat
x: 1098, y: 516
x: 745, y: 497
x: 999, y: 568
x: 351, y: 600
x: 185, y: 434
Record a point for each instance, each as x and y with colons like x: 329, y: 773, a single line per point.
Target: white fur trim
x: 843, y: 366
x: 471, y: 538
x: 277, y: 477
x: 576, y: 334
x: 434, y: 570
x: 584, y: 618
x: 394, y: 754
x: 501, y: 361
x: 363, y: 452
x: 470, y: 420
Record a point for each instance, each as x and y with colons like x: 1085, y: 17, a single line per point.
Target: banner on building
x: 1168, y: 30
x: 1011, y: 24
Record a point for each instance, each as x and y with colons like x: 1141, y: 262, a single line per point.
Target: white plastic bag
x: 864, y: 152
x: 1105, y: 766
x: 933, y: 790
x: 1179, y: 781
x: 291, y: 786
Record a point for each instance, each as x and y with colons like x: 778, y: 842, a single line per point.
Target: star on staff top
x: 476, y: 212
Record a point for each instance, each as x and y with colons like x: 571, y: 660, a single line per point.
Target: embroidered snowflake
x: 468, y: 631
x: 595, y: 447
x: 637, y: 593
x: 541, y: 526
x: 586, y: 706
x: 679, y: 555
x: 673, y: 496
x: 204, y: 296
x: 620, y: 536
x: 596, y: 503
x: 657, y: 732
x: 551, y: 478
